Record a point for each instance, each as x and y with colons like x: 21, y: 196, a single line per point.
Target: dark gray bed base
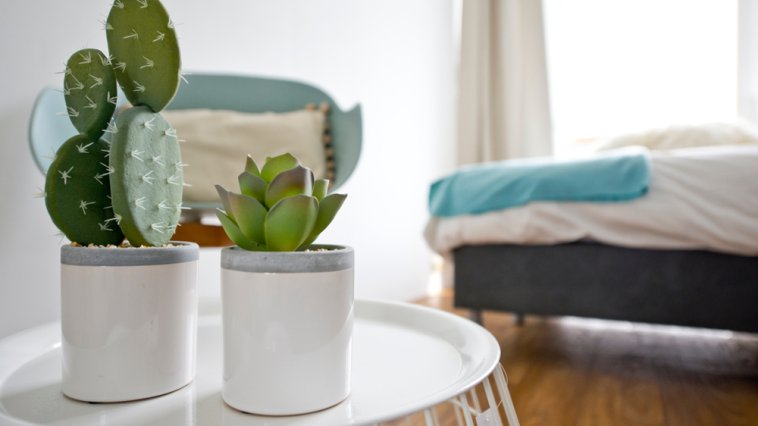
x: 690, y: 288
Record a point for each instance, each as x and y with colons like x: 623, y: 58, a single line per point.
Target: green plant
x: 145, y: 52
x: 146, y: 179
x: 95, y: 193
x: 279, y: 208
x: 77, y: 187
x: 89, y: 87
x: 77, y: 190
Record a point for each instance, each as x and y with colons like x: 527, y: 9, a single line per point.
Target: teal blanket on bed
x: 496, y: 186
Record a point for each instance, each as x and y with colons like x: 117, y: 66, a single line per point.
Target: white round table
x: 406, y: 359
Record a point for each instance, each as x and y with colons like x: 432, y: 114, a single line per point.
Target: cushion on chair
x: 218, y: 141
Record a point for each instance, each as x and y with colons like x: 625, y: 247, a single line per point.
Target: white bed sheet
x: 699, y: 198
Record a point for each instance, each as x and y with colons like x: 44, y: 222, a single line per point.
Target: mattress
x: 699, y: 198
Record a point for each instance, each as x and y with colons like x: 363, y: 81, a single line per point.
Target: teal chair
x: 48, y: 130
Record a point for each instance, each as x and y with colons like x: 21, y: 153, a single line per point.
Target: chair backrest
x: 48, y: 129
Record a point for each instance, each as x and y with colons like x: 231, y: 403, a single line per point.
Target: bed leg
x: 518, y: 318
x: 476, y: 316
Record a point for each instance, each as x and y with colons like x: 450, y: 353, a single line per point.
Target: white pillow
x: 217, y: 143
x: 686, y: 136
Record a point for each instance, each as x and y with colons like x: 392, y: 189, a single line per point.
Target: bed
x: 684, y: 253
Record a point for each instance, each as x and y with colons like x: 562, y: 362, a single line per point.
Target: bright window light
x: 618, y: 66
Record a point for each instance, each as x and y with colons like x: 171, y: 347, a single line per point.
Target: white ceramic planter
x: 288, y: 322
x: 129, y: 321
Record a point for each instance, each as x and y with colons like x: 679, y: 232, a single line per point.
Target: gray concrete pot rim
x: 179, y: 252
x: 319, y: 258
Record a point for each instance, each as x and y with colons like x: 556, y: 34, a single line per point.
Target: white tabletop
x: 405, y: 358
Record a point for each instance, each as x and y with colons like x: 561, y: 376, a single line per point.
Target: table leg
x: 502, y: 388
x: 476, y: 316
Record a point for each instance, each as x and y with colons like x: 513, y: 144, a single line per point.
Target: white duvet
x: 699, y: 198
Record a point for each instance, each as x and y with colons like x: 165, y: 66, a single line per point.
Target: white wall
x: 395, y: 57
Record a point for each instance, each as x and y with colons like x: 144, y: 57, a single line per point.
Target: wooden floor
x: 589, y: 372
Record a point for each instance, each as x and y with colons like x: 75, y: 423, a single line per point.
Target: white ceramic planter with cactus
x: 129, y: 321
x: 129, y: 314
x: 288, y: 322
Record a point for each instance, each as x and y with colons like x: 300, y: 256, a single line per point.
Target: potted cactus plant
x: 287, y: 304
x: 128, y: 310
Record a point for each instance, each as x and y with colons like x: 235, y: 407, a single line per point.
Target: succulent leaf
x: 143, y: 42
x: 235, y: 234
x: 298, y: 180
x: 327, y: 209
x: 320, y: 187
x: 289, y: 222
x: 223, y: 194
x: 252, y: 186
x: 89, y: 87
x: 251, y: 167
x: 249, y: 214
x: 276, y: 165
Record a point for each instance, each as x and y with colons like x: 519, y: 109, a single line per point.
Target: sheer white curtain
x: 504, y: 109
x: 747, y: 83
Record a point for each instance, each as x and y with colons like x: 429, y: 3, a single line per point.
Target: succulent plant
x: 279, y: 208
x: 141, y: 170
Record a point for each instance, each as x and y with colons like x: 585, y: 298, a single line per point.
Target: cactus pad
x: 89, y: 87
x: 142, y: 40
x: 77, y: 190
x: 147, y: 178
